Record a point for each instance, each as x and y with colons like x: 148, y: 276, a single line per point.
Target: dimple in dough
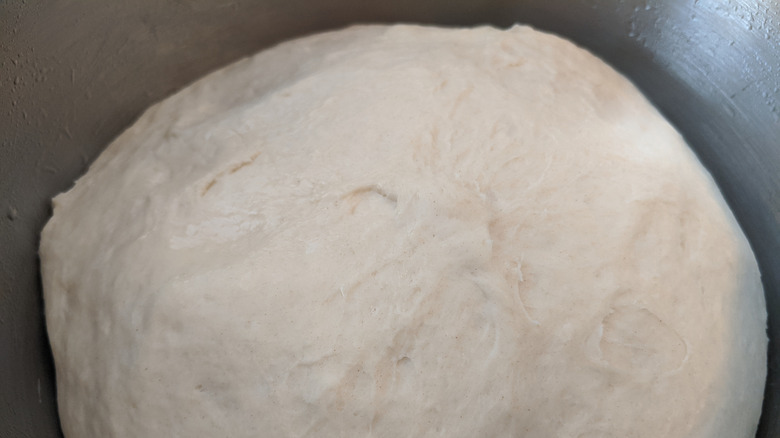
x: 394, y: 231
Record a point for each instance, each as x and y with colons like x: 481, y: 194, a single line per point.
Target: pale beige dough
x: 393, y: 231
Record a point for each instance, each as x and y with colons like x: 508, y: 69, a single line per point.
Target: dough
x: 396, y: 231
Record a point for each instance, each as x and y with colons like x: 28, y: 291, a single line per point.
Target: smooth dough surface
x: 394, y: 231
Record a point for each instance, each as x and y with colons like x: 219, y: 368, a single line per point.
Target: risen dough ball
x: 403, y: 231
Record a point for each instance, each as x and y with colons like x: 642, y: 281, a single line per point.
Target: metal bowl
x: 73, y: 74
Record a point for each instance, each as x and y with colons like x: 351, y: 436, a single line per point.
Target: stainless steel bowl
x: 73, y: 74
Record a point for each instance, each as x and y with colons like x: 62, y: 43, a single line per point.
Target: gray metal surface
x: 73, y: 74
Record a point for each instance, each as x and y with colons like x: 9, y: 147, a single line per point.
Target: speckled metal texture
x: 74, y: 73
